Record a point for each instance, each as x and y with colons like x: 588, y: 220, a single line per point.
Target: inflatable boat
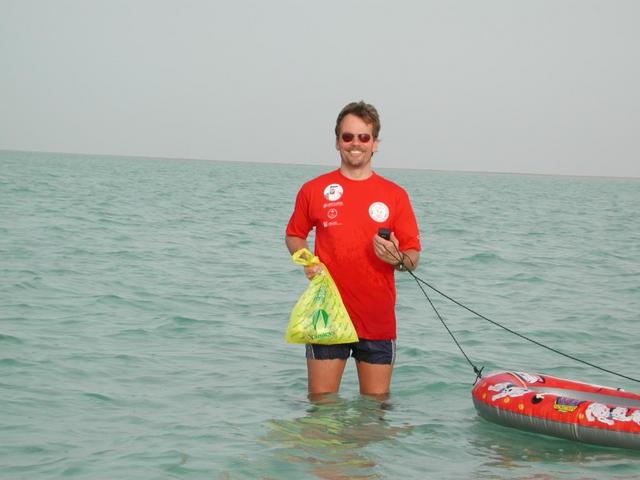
x: 562, y: 408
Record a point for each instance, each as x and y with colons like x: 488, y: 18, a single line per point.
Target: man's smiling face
x: 356, y: 153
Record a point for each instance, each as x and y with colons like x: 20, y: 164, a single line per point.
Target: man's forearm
x: 295, y: 243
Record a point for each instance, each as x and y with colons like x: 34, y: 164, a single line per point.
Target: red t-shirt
x: 346, y: 215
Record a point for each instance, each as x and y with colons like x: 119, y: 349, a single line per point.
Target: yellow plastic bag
x: 319, y: 316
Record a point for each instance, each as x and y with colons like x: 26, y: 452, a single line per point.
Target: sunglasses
x: 348, y: 137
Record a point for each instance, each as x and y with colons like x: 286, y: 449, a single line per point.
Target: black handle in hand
x: 385, y: 233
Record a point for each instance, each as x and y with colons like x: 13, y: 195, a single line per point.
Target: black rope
x: 477, y: 371
x: 420, y: 281
x: 402, y: 256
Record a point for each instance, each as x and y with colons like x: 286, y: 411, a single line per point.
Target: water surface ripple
x: 143, y: 304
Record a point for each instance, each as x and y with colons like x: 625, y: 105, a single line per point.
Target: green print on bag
x: 320, y: 294
x: 319, y: 316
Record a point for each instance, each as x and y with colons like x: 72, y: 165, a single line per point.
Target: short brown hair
x: 362, y: 110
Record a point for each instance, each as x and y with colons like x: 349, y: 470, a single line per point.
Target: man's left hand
x: 387, y: 250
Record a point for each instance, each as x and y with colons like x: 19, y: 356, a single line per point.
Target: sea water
x: 143, y: 304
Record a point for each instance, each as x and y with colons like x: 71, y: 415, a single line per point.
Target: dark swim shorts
x: 381, y: 352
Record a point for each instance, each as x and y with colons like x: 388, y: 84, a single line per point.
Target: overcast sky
x: 547, y: 86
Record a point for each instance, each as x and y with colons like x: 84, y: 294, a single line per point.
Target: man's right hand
x: 312, y: 271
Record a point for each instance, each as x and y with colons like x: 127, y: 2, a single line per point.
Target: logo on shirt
x: 332, y: 213
x: 379, y: 212
x: 333, y: 192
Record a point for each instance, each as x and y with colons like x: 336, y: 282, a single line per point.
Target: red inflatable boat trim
x: 553, y: 399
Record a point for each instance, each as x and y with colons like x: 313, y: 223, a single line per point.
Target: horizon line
x: 480, y: 172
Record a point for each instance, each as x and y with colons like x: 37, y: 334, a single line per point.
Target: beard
x: 355, y: 161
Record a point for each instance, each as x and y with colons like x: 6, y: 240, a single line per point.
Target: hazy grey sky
x: 548, y: 86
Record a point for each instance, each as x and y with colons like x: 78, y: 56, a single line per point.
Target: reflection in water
x: 329, y: 440
x: 514, y: 451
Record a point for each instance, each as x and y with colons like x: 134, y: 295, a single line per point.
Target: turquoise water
x: 143, y: 304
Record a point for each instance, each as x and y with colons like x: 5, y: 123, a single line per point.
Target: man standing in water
x: 348, y: 207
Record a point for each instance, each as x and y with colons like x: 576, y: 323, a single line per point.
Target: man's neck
x: 361, y: 173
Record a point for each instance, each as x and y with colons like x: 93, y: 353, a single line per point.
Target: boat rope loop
x: 400, y: 257
x: 477, y: 371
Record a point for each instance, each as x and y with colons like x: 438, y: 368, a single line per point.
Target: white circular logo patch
x: 379, y: 212
x: 333, y: 192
